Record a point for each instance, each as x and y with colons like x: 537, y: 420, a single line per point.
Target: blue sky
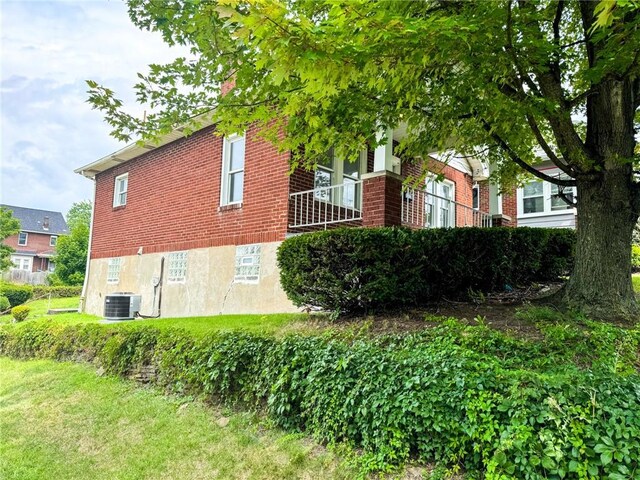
x: 48, y: 50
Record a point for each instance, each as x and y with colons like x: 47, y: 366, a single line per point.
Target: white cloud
x: 48, y: 51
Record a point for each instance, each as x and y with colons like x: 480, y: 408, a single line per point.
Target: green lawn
x: 62, y: 421
x: 636, y: 282
x: 197, y: 325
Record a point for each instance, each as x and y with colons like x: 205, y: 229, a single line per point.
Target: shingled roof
x: 33, y: 220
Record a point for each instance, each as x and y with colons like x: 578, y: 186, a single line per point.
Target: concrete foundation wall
x: 208, y: 289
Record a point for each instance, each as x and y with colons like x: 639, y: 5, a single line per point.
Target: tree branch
x: 521, y: 163
x: 547, y: 149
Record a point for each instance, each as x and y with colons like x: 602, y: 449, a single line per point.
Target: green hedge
x: 61, y: 291
x: 354, y: 269
x: 16, y: 294
x: 448, y: 395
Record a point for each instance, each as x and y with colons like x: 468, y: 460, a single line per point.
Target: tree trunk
x: 600, y: 284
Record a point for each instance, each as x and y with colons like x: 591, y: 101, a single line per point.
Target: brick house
x: 192, y: 224
x: 35, y: 244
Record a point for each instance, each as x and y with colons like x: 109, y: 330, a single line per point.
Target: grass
x: 60, y: 420
x: 636, y: 282
x: 197, y: 325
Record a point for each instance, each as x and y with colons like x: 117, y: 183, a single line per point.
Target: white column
x: 383, y: 154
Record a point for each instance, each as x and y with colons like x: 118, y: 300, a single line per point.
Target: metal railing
x: 422, y: 209
x: 326, y: 205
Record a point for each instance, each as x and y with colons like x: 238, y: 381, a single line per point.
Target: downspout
x: 85, y: 284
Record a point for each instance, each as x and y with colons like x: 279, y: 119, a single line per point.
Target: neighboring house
x: 192, y: 224
x: 540, y: 205
x: 35, y: 244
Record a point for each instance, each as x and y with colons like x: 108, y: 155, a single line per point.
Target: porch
x: 381, y: 199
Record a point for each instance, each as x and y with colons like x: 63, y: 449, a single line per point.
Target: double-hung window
x: 22, y: 238
x: 53, y: 240
x: 120, y: 190
x: 337, y: 180
x: 544, y: 198
x: 439, y: 204
x: 232, y: 170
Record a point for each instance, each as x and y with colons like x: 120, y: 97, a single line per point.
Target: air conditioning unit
x: 121, y: 306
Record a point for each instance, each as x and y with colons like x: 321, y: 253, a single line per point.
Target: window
x: 120, y: 190
x: 440, y: 208
x: 22, y: 238
x: 53, y: 240
x: 22, y: 263
x: 232, y: 170
x: 177, y: 268
x: 533, y: 197
x: 113, y: 270
x: 543, y: 198
x: 475, y: 197
x: 247, y: 264
x: 337, y: 180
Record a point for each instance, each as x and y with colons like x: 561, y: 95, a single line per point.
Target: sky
x: 48, y: 50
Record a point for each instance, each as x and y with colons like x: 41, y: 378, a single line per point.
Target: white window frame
x: 436, y: 205
x: 20, y: 262
x: 114, y: 265
x: 177, y: 263
x: 225, y: 182
x: 337, y: 177
x: 247, y: 263
x: 26, y: 239
x: 53, y: 240
x: 547, y: 194
x: 119, y: 193
x: 475, y: 188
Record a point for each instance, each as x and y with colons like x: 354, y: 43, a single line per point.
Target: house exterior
x: 35, y: 244
x: 192, y: 224
x: 540, y: 205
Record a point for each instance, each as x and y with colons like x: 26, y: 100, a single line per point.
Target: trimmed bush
x: 20, y: 313
x: 17, y: 294
x: 355, y: 269
x: 449, y: 395
x: 61, y: 291
x: 4, y: 304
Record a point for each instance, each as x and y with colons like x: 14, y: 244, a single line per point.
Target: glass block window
x: 247, y: 264
x: 177, y: 267
x: 113, y: 270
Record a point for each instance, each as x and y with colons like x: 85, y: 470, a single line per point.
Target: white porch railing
x: 326, y: 205
x: 422, y: 209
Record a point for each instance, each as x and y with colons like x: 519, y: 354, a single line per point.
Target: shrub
x: 4, y: 304
x: 58, y: 291
x: 17, y: 294
x: 455, y: 394
x: 20, y: 313
x: 635, y: 257
x: 358, y: 269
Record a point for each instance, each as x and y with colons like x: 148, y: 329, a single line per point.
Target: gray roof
x: 33, y: 220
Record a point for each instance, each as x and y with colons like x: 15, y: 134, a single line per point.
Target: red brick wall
x: 382, y: 201
x: 510, y: 206
x: 173, y: 199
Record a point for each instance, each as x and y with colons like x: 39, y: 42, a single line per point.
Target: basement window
x: 113, y: 270
x: 247, y: 264
x: 177, y: 267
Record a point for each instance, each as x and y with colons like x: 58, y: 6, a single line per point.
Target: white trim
x: 53, y: 243
x: 546, y: 200
x: 337, y: 177
x: 433, y: 217
x: 26, y: 239
x: 225, y: 181
x: 22, y: 261
x: 120, y: 193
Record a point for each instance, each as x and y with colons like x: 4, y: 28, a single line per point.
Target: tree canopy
x: 71, y: 250
x: 510, y: 82
x: 8, y: 226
